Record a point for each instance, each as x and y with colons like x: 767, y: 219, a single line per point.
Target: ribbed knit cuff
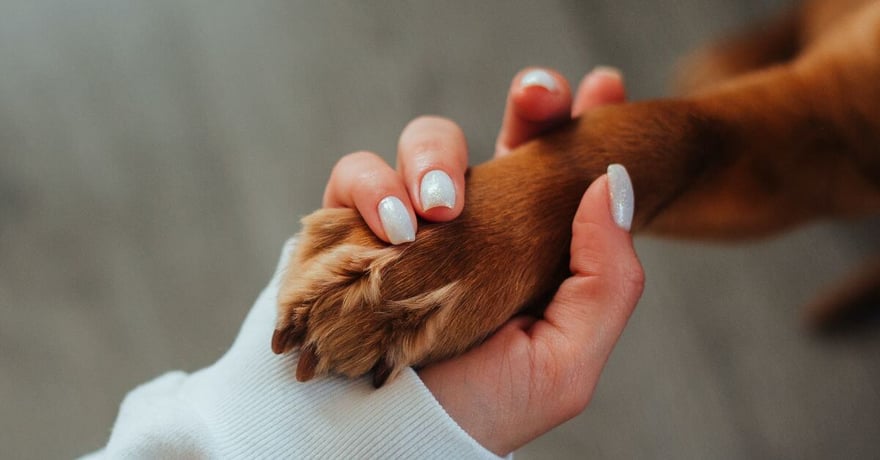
x: 249, y: 405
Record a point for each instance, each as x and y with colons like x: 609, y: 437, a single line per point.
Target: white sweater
x: 249, y: 405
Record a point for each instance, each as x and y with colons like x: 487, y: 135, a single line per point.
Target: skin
x: 531, y: 375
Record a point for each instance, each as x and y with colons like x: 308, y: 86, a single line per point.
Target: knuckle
x: 358, y: 157
x: 431, y: 141
x: 354, y: 161
x: 431, y: 129
x: 434, y: 120
x: 360, y: 173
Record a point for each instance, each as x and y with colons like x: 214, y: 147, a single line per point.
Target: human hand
x: 432, y: 154
x: 532, y: 374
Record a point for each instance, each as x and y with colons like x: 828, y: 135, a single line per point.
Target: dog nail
x: 437, y: 189
x: 622, y: 197
x: 538, y: 77
x: 381, y: 372
x: 396, y: 221
x: 308, y: 361
x: 281, y: 341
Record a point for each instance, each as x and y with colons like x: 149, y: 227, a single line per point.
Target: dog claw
x: 353, y: 305
x: 284, y: 340
x: 381, y: 372
x: 308, y: 361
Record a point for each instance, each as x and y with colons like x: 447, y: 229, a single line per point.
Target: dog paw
x: 354, y: 304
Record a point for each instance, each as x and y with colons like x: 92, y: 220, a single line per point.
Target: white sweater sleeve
x: 249, y: 405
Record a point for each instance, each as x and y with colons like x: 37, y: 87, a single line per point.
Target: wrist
x: 475, y: 411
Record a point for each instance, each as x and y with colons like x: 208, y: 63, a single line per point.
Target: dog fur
x: 775, y: 128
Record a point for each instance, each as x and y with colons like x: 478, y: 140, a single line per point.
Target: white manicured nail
x: 539, y: 77
x: 623, y: 199
x: 395, y: 220
x: 436, y: 190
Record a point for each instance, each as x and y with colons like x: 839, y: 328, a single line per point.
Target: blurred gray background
x: 155, y: 155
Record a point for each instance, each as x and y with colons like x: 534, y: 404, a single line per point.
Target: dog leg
x: 746, y: 158
x: 774, y: 42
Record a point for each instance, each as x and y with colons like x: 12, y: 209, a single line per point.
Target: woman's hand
x: 432, y: 154
x: 532, y: 374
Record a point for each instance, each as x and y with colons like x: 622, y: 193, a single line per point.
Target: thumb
x: 591, y: 307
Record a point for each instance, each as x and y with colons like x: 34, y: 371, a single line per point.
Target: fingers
x: 432, y: 160
x: 363, y: 180
x: 591, y: 307
x: 602, y: 86
x: 432, y: 154
x: 538, y: 100
x: 432, y: 157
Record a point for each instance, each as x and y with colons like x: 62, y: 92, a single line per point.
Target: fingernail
x: 622, y: 196
x: 609, y: 71
x: 436, y: 190
x: 538, y: 77
x: 395, y: 220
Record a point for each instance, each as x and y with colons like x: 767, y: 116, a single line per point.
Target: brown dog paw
x: 354, y: 304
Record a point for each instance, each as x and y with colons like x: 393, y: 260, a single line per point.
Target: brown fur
x: 778, y: 127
